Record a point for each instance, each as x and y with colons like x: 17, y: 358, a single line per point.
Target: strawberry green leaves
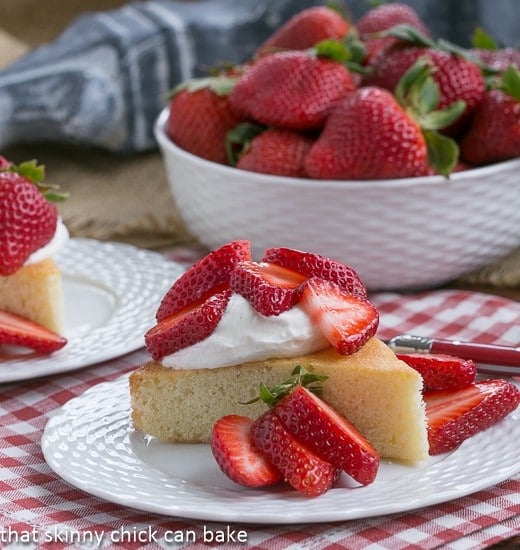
x: 300, y: 376
x: 419, y: 95
x: 35, y: 173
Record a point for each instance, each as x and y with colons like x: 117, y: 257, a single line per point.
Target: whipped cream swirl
x: 244, y: 335
x: 58, y: 241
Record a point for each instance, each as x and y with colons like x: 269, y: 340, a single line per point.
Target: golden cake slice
x: 35, y: 292
x: 377, y: 392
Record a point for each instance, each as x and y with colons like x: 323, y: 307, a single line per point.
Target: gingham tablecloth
x: 37, y: 507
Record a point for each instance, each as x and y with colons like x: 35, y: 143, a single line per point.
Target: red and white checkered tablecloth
x: 37, y: 507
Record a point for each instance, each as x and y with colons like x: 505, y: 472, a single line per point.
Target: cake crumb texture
x: 378, y: 393
x: 35, y: 292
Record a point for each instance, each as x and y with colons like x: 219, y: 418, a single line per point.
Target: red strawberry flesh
x: 328, y: 434
x: 440, y: 372
x: 237, y: 456
x: 315, y: 265
x: 19, y: 331
x: 454, y: 416
x: 208, y: 276
x: 186, y: 327
x: 346, y: 320
x: 303, y: 469
x: 269, y: 288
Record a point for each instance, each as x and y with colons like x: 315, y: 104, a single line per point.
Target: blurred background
x: 123, y: 195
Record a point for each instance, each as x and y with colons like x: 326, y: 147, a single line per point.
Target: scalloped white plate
x: 91, y: 444
x: 111, y: 294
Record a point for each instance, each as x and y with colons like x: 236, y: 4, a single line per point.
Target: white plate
x: 91, y: 444
x: 111, y: 294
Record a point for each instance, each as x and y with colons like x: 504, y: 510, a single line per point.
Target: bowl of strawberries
x: 370, y: 141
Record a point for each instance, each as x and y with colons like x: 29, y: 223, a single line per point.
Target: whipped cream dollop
x: 58, y: 241
x: 244, y: 335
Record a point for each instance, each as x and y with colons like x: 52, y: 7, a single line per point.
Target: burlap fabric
x: 127, y: 198
x: 111, y: 197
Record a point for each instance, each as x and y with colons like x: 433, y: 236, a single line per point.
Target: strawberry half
x: 454, y: 416
x: 186, y: 327
x: 268, y: 287
x: 328, y: 434
x: 441, y: 372
x: 303, y: 469
x: 346, y: 320
x: 208, y: 276
x: 233, y: 448
x: 19, y: 331
x: 314, y: 265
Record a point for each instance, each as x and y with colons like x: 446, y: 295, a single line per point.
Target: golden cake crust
x: 380, y: 394
x: 35, y: 292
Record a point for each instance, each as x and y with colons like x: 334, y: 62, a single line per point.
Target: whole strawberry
x: 291, y: 89
x: 489, y: 52
x: 385, y: 16
x: 200, y: 117
x: 27, y: 219
x: 499, y: 59
x: 457, y: 77
x: 368, y: 136
x: 494, y: 133
x: 305, y: 29
x: 382, y: 18
x: 277, y: 151
x: 373, y: 134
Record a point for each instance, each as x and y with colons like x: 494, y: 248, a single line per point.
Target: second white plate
x: 90, y: 443
x: 111, y: 294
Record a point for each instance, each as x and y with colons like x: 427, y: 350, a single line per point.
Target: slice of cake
x: 378, y: 393
x: 35, y: 292
x: 229, y: 324
x: 31, y: 232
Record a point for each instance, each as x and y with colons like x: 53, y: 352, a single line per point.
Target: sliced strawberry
x: 186, y: 327
x: 441, y: 372
x: 303, y: 469
x: 208, y: 276
x: 19, y: 331
x: 346, y: 320
x: 454, y: 416
x: 314, y: 265
x: 328, y: 434
x: 233, y: 448
x: 268, y: 287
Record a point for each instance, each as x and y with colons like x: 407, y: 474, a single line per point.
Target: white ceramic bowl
x: 401, y: 233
